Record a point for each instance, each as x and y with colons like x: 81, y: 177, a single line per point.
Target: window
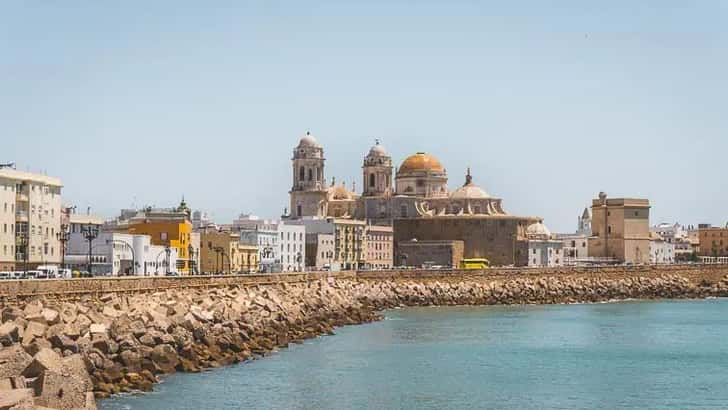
x: 609, y: 229
x: 403, y: 210
x: 371, y: 180
x: 301, y: 173
x: 310, y: 174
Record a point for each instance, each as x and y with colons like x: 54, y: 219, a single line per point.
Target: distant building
x: 713, y: 241
x: 575, y: 248
x: 379, y: 247
x: 30, y: 207
x: 349, y: 251
x: 678, y: 236
x: 285, y: 253
x: 661, y: 251
x: 320, y: 252
x: 222, y: 252
x: 543, y: 249
x: 620, y: 229
x: 445, y: 253
x: 168, y: 227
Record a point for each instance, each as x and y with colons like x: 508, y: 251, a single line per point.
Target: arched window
x: 318, y: 173
x: 298, y: 210
x: 403, y: 210
x: 310, y: 174
x: 301, y: 173
x: 371, y: 180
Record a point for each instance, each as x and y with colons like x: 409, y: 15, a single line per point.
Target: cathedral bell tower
x: 308, y: 193
x: 377, y: 172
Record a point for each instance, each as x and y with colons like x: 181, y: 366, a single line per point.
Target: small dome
x: 538, y: 230
x: 421, y: 162
x: 308, y: 140
x: 377, y: 150
x: 469, y: 190
x: 340, y: 193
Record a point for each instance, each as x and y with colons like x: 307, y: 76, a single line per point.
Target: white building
x: 281, y: 245
x: 113, y: 253
x: 661, y: 251
x: 575, y: 249
x: 543, y: 250
x: 30, y: 218
x: 320, y: 249
x: 677, y: 235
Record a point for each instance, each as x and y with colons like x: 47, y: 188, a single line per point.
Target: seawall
x: 96, y: 337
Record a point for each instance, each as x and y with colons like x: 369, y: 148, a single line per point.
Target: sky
x: 138, y: 103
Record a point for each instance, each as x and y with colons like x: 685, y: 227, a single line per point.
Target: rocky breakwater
x: 57, y: 351
x: 121, y: 343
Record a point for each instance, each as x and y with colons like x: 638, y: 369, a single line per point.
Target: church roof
x: 377, y: 150
x: 421, y: 162
x: 469, y: 190
x: 538, y: 229
x: 308, y: 140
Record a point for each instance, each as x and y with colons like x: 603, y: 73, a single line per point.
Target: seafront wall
x: 68, y: 342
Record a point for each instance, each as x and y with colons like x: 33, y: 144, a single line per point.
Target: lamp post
x: 63, y: 236
x: 90, y: 232
x: 167, y: 251
x: 190, y: 254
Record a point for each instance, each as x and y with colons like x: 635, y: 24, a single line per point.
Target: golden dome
x: 420, y: 162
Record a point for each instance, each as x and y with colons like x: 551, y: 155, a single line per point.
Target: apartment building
x: 30, y: 218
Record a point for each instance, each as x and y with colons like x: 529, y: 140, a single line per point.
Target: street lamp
x: 63, y: 236
x: 90, y: 232
x: 167, y: 251
x: 190, y: 254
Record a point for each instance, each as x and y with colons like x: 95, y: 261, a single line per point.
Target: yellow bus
x: 474, y: 263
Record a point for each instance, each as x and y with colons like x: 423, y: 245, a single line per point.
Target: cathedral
x: 420, y: 189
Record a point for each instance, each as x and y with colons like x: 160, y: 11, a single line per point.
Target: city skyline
x: 621, y: 98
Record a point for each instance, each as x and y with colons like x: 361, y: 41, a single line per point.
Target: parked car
x: 171, y: 274
x: 6, y: 275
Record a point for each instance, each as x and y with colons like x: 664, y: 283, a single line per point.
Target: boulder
x: 59, y: 389
x: 8, y: 333
x: 11, y: 313
x: 98, y: 328
x: 64, y: 343
x: 33, y: 330
x: 16, y: 399
x: 13, y: 360
x: 51, y: 316
x: 45, y: 359
x: 165, y: 358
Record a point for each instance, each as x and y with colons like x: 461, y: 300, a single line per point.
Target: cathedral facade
x: 415, y: 199
x: 418, y: 188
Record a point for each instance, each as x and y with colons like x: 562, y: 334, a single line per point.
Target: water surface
x: 656, y: 355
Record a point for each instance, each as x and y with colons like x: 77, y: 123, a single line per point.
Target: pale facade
x: 119, y: 254
x: 222, y: 252
x: 661, y: 251
x: 320, y: 252
x: 380, y: 247
x: 349, y: 252
x: 30, y: 218
x: 289, y: 252
x: 575, y: 248
x: 620, y: 229
x: 543, y: 249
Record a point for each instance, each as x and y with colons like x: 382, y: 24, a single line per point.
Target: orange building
x: 167, y: 227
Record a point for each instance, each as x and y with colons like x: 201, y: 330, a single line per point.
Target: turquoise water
x: 646, y: 355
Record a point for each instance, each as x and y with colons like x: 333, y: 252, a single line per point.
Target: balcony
x: 21, y: 197
x: 21, y: 216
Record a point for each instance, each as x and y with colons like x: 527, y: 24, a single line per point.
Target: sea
x: 670, y: 354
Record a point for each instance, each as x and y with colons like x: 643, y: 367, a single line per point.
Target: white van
x: 6, y: 275
x: 47, y: 271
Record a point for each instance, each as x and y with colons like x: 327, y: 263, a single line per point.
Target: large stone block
x: 16, y: 399
x: 8, y: 333
x: 13, y: 360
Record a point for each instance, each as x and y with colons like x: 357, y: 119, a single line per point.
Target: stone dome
x: 421, y: 162
x: 308, y: 140
x: 469, y: 190
x: 377, y: 150
x: 538, y: 229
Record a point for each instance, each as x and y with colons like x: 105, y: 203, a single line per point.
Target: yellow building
x: 166, y: 227
x: 222, y: 252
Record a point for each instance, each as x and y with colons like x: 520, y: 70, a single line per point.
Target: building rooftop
x: 16, y: 175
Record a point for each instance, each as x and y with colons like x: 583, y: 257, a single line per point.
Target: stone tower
x: 308, y: 193
x: 377, y: 172
x: 584, y: 227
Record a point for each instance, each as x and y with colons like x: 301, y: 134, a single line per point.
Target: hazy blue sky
x: 548, y: 102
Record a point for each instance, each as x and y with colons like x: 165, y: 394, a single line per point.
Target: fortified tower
x: 308, y: 193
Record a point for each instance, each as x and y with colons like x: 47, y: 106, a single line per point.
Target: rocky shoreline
x: 64, y: 354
